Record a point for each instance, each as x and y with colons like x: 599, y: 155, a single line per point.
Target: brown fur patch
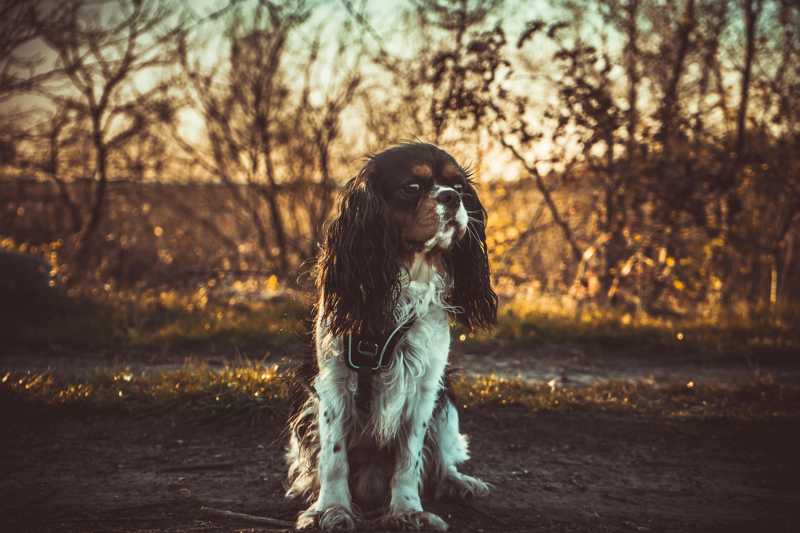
x: 425, y: 222
x: 437, y: 262
x: 420, y: 225
x: 451, y: 171
x: 422, y: 170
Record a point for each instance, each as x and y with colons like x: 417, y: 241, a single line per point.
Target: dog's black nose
x: 448, y: 198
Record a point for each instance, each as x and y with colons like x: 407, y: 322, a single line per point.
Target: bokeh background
x: 639, y: 159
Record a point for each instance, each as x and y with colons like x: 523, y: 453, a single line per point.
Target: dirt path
x: 559, y: 471
x: 583, y: 365
x: 553, y: 472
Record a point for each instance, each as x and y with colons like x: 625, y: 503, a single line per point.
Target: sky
x: 327, y: 22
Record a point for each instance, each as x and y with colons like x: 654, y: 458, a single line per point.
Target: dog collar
x: 367, y: 355
x: 370, y: 353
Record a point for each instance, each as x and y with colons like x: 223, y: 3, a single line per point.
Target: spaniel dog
x: 406, y: 253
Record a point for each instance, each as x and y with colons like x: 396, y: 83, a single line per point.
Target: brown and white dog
x: 408, y: 241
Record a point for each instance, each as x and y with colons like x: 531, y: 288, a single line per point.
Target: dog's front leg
x: 405, y: 507
x: 333, y: 510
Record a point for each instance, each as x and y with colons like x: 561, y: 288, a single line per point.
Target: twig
x: 246, y: 517
x: 548, y: 198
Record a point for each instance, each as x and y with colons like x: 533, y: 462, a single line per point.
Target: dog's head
x: 410, y: 199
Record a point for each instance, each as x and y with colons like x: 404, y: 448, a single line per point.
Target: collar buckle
x: 370, y: 349
x: 369, y: 355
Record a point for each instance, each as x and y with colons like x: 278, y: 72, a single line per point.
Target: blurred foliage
x: 638, y: 158
x: 220, y: 314
x: 539, y: 321
x: 226, y: 314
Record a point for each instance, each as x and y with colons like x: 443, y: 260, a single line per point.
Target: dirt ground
x: 553, y: 472
x: 557, y: 471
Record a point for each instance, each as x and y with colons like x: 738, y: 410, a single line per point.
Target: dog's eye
x: 412, y: 188
x: 459, y: 187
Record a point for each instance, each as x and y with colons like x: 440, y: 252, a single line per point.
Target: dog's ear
x: 468, y: 264
x: 358, y: 269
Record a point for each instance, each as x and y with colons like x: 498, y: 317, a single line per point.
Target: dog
x: 405, y: 255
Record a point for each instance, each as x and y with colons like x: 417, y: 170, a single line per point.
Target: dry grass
x: 227, y: 316
x: 535, y: 320
x: 203, y: 318
x: 757, y: 398
x: 250, y: 389
x: 246, y: 392
x: 230, y: 314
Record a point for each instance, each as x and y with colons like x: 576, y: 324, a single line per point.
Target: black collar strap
x: 369, y: 353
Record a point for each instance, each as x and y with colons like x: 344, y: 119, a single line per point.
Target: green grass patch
x: 521, y: 325
x: 182, y: 321
x: 220, y: 327
x: 237, y: 318
x: 54, y: 319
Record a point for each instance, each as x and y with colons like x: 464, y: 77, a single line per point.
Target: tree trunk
x: 98, y: 202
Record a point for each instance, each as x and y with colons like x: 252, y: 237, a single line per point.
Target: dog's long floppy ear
x: 359, y: 265
x: 468, y: 265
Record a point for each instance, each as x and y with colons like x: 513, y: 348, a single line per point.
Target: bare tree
x: 18, y: 71
x: 266, y: 140
x: 18, y: 26
x: 672, y: 175
x: 105, y: 51
x: 447, y: 90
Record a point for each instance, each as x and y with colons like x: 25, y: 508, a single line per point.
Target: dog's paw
x: 307, y: 520
x: 412, y: 521
x: 335, y: 518
x: 463, y: 487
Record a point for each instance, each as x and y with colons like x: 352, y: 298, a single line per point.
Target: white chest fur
x: 415, y: 375
x: 411, y: 384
